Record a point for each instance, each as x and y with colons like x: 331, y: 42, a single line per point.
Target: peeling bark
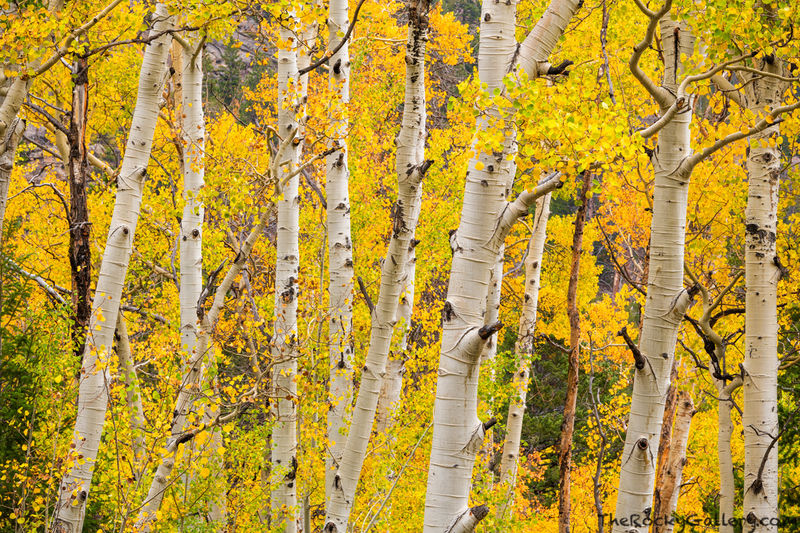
x: 673, y: 469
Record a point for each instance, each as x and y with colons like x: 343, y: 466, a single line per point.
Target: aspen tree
x: 763, y: 270
x: 285, y: 350
x: 340, y: 248
x: 485, y: 221
x: 16, y: 90
x: 726, y: 385
x: 667, y: 300
x: 191, y: 258
x: 395, y: 367
x: 410, y: 166
x: 93, y: 392
x: 133, y: 397
x: 523, y: 352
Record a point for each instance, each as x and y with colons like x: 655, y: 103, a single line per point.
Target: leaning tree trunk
x: 340, y: 250
x: 93, y: 392
x: 568, y: 424
x: 667, y: 300
x: 410, y: 166
x: 762, y: 273
x: 524, y: 353
x: 284, y: 512
x: 485, y: 221
x: 395, y: 366
x: 11, y: 130
x: 133, y: 397
x: 674, y: 463
x: 191, y: 260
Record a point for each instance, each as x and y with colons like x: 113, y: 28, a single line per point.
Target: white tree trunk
x: 762, y: 273
x: 524, y: 353
x: 284, y: 510
x: 8, y: 153
x: 194, y: 369
x: 727, y: 487
x: 675, y: 462
x: 340, y: 250
x: 191, y: 244
x: 493, y: 303
x: 410, y: 167
x: 395, y: 367
x: 191, y: 260
x: 133, y: 397
x: 666, y: 302
x: 93, y: 391
x: 485, y: 221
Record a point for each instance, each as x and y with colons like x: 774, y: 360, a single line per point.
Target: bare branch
x: 660, y: 95
x: 324, y: 59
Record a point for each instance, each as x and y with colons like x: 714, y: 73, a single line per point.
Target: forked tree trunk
x: 666, y: 301
x: 485, y: 221
x: 523, y: 354
x: 410, y: 167
x: 568, y: 424
x: 284, y: 510
x: 762, y: 273
x: 191, y: 260
x: 673, y: 469
x: 93, y: 392
x: 340, y: 250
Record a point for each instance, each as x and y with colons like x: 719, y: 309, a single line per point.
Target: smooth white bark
x: 93, y: 392
x: 395, y: 367
x: 486, y: 219
x: 666, y: 301
x: 524, y: 352
x: 410, y: 167
x: 193, y: 142
x: 193, y: 373
x: 727, y: 486
x: 762, y: 273
x: 340, y: 250
x: 133, y: 397
x: 284, y: 510
x: 191, y: 260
